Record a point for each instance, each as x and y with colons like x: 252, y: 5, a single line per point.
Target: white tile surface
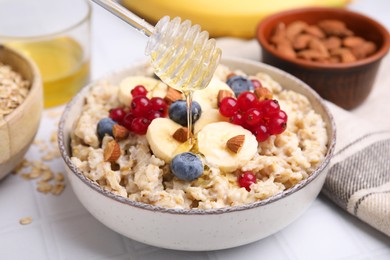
x: 63, y: 229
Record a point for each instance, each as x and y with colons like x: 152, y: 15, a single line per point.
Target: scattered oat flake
x: 59, y: 177
x: 25, y: 221
x: 44, y: 187
x: 58, y: 189
x: 47, y: 176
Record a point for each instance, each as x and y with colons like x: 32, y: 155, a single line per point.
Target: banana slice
x: 208, y: 97
x: 161, y: 142
x: 208, y: 117
x: 212, y: 141
x: 154, y: 87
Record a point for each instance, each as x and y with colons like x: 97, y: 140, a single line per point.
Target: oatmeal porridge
x: 251, y: 139
x: 13, y: 90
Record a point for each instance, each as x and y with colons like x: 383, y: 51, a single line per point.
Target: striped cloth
x: 359, y: 176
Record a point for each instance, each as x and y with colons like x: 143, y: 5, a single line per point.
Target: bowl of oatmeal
x: 259, y: 155
x: 20, y: 106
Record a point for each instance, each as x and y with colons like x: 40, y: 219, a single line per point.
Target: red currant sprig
x: 262, y: 118
x: 245, y: 179
x: 142, y: 111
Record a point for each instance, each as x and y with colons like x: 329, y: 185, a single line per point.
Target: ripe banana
x: 221, y: 17
x: 154, y: 87
x: 212, y: 141
x: 208, y: 97
x: 161, y: 142
x: 208, y: 117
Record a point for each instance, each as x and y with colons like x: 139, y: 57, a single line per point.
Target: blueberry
x: 187, y: 166
x: 178, y: 112
x: 239, y: 84
x: 105, y: 127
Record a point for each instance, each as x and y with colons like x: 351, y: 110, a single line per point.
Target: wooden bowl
x: 18, y: 129
x: 345, y: 84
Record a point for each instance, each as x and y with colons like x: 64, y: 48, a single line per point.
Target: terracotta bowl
x: 345, y: 84
x: 196, y: 229
x: 18, y: 129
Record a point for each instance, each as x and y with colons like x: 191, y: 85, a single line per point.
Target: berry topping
x: 187, y: 166
x: 153, y: 115
x: 178, y: 112
x: 117, y: 114
x: 126, y: 122
x: 139, y: 125
x: 269, y: 107
x: 245, y: 179
x: 256, y: 83
x: 246, y: 100
x: 252, y: 117
x: 237, y: 119
x: 139, y: 91
x: 239, y: 84
x: 228, y: 106
x: 277, y: 125
x: 140, y: 106
x: 261, y: 133
x: 159, y: 105
x: 105, y: 127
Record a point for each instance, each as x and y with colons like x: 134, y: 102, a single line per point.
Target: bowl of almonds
x: 335, y: 51
x: 21, y: 104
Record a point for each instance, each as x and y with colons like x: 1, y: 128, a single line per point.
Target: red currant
x: 281, y: 114
x: 269, y: 107
x: 159, y: 104
x: 140, y: 106
x: 126, y: 122
x: 277, y: 125
x: 261, y: 133
x: 246, y: 100
x: 117, y: 114
x: 154, y: 114
x: 228, y: 106
x: 139, y: 125
x: 245, y: 179
x: 237, y: 119
x: 139, y: 90
x: 256, y: 83
x: 252, y: 117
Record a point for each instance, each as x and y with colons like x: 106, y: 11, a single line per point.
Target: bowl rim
x: 140, y: 205
x: 34, y: 85
x: 380, y: 53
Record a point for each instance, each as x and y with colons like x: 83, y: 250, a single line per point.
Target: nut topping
x: 235, y: 143
x: 181, y: 134
x: 120, y: 132
x: 112, y: 152
x: 222, y: 94
x: 172, y: 95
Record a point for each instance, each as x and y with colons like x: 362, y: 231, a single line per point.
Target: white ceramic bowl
x: 18, y: 129
x: 197, y: 229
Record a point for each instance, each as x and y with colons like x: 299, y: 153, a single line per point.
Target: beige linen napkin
x: 359, y: 177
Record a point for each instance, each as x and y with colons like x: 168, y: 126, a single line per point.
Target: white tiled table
x: 63, y: 229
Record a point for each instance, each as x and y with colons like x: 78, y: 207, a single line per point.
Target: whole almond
x: 353, y: 41
x: 345, y: 54
x: 335, y: 27
x: 313, y: 55
x: 316, y: 44
x: 364, y: 50
x: 181, y: 134
x: 112, y: 151
x: 223, y: 94
x: 295, y: 28
x: 172, y: 95
x: 301, y: 41
x: 120, y: 132
x: 285, y: 48
x: 279, y: 33
x: 315, y: 31
x: 332, y: 42
x: 235, y: 143
x: 262, y: 93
